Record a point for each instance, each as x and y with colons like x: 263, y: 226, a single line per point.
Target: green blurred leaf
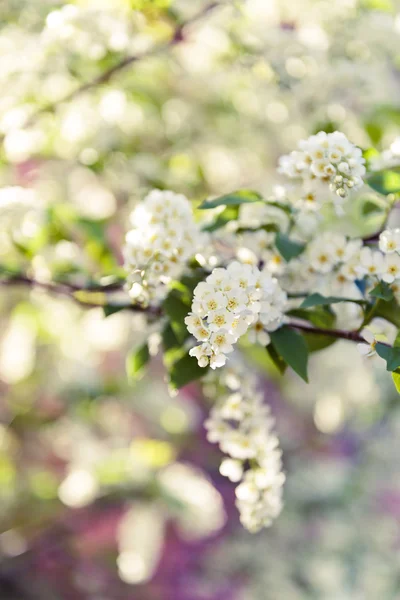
x: 136, y: 360
x: 321, y: 317
x: 110, y: 309
x: 287, y: 247
x: 385, y: 182
x: 381, y: 5
x: 396, y: 379
x: 292, y: 347
x: 370, y: 207
x: 389, y: 311
x: 230, y: 213
x: 184, y: 371
x: 375, y: 131
x: 169, y: 339
x: 177, y: 306
x: 233, y: 199
x: 382, y: 291
x: 397, y: 340
x: 319, y: 300
x: 391, y: 355
x: 278, y: 361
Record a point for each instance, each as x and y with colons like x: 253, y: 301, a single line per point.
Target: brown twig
x: 70, y: 290
x: 353, y: 336
x: 179, y: 35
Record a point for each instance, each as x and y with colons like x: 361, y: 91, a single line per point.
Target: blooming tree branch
x: 272, y: 273
x: 179, y: 35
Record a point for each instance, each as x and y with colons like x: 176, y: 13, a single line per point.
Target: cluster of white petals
x: 389, y: 241
x: 325, y: 158
x: 333, y: 264
x: 243, y: 427
x: 163, y: 238
x: 226, y: 304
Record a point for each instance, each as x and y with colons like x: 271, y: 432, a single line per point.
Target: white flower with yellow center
x: 370, y: 263
x: 389, y: 241
x: 391, y: 268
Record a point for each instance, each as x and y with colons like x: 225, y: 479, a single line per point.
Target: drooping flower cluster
x: 163, y: 238
x: 226, y: 304
x: 243, y: 427
x: 325, y: 158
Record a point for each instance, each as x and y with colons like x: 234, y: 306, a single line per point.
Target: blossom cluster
x: 325, y: 158
x: 227, y: 304
x: 163, y: 238
x: 333, y: 264
x: 243, y: 427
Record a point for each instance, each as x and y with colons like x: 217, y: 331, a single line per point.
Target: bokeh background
x: 108, y: 488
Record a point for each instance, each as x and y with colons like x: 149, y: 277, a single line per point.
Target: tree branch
x: 177, y: 37
x: 71, y: 290
x: 353, y: 336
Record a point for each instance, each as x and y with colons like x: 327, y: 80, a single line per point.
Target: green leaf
x: 169, y: 339
x: 111, y: 309
x: 396, y: 379
x: 370, y: 207
x: 397, y: 340
x: 375, y: 131
x: 233, y: 199
x: 391, y: 355
x: 136, y: 360
x: 319, y: 300
x: 287, y: 247
x: 278, y: 361
x: 381, y: 5
x: 292, y: 347
x: 230, y: 213
x: 177, y: 306
x: 321, y: 317
x: 382, y: 291
x: 389, y: 311
x: 185, y: 370
x: 385, y: 182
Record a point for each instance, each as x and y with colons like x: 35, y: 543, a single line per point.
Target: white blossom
x: 163, y: 238
x: 243, y: 427
x: 325, y: 157
x: 389, y: 241
x: 391, y: 268
x: 368, y: 348
x: 226, y: 304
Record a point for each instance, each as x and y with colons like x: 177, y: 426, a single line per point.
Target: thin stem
x: 179, y: 35
x: 71, y: 291
x: 353, y: 336
x: 370, y: 314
